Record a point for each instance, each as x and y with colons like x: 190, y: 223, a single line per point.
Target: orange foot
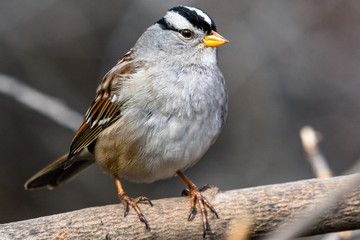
x: 196, y: 196
x: 128, y: 201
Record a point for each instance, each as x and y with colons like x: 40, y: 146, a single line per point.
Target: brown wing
x: 104, y: 110
x: 101, y: 114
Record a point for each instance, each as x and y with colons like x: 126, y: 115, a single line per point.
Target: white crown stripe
x: 176, y: 20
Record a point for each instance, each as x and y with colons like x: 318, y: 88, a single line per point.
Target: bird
x: 155, y: 113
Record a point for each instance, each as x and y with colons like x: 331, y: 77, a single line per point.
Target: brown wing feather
x: 101, y: 114
x: 104, y: 110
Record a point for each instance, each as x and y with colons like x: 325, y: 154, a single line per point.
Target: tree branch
x: 46, y: 105
x: 265, y: 208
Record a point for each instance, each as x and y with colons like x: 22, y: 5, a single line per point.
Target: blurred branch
x: 310, y: 140
x: 346, y: 234
x: 301, y: 223
x: 239, y: 229
x: 305, y: 220
x: 40, y: 102
x: 342, y: 235
x: 266, y: 207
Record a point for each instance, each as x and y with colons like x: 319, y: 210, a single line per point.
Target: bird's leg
x: 126, y: 200
x: 196, y: 196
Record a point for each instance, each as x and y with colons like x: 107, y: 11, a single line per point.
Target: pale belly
x: 156, y: 147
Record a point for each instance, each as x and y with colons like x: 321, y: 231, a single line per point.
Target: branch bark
x: 265, y: 208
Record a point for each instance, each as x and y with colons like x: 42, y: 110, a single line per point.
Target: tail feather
x: 56, y: 173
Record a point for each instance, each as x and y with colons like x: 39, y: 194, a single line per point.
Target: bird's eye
x: 187, y: 33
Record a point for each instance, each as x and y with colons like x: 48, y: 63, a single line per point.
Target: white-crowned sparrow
x: 155, y: 113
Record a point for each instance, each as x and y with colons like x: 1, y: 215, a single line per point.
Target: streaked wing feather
x: 104, y: 110
x: 101, y: 115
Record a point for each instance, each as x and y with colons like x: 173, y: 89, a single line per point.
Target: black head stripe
x: 195, y: 19
x: 165, y: 25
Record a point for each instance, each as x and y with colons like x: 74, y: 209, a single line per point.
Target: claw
x: 143, y: 219
x: 126, y: 209
x: 197, y: 197
x: 143, y: 199
x: 206, y: 228
x: 128, y: 201
x: 185, y: 192
x: 212, y: 209
x: 192, y: 213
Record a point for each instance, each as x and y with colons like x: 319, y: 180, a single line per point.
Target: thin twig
x: 305, y: 219
x: 40, y: 102
x: 310, y: 140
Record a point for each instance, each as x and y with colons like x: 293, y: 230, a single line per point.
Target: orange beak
x: 214, y: 40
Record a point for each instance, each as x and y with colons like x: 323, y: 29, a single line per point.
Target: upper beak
x: 214, y: 39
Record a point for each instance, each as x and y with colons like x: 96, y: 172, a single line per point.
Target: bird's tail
x: 56, y: 173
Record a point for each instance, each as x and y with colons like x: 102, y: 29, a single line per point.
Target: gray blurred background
x: 288, y: 64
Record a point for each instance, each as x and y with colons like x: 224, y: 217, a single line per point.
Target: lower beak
x: 214, y: 40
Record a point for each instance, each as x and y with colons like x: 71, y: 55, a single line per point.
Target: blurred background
x: 288, y: 64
